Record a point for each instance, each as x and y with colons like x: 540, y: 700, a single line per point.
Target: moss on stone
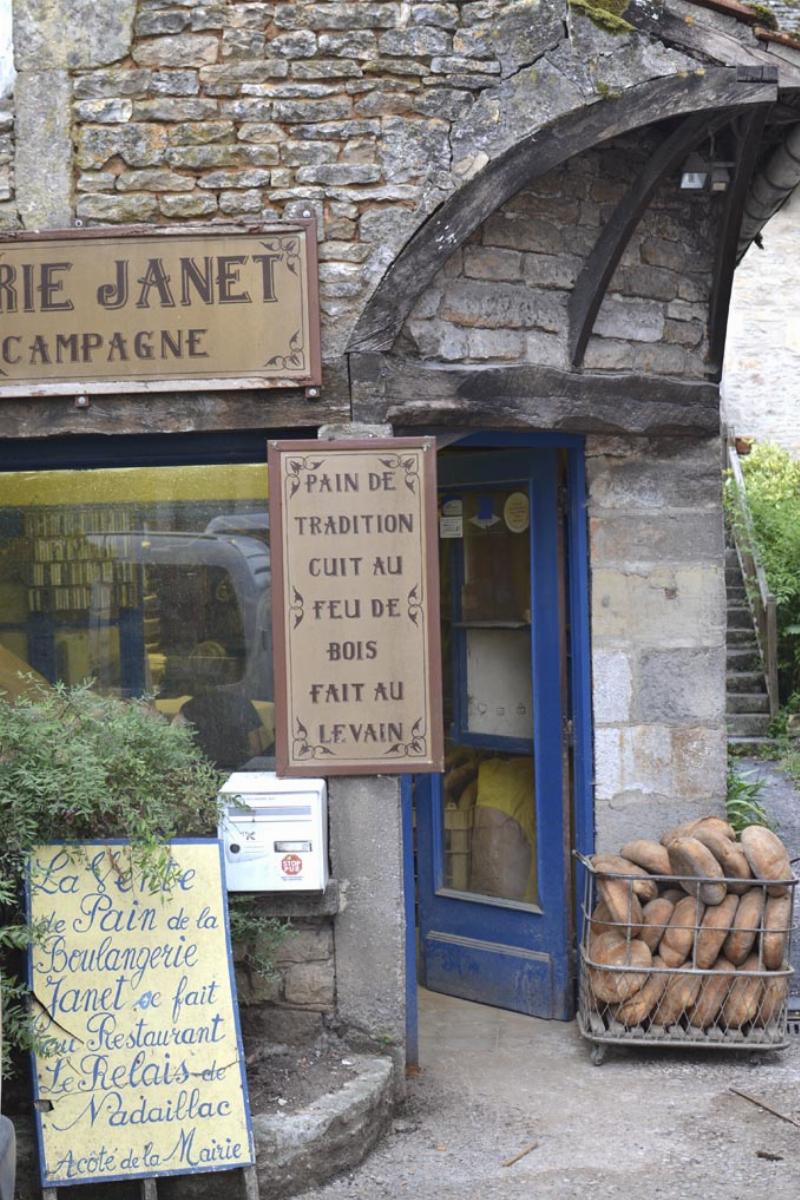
x: 607, y: 14
x: 765, y: 15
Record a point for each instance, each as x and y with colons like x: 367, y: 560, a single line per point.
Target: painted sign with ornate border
x: 139, y: 1070
x: 149, y: 310
x: 355, y: 595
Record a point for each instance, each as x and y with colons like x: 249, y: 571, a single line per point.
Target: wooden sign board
x: 355, y: 599
x: 159, y: 310
x: 141, y: 1069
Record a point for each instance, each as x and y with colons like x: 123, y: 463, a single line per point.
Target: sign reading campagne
x: 100, y: 311
x: 355, y: 597
x: 139, y: 1069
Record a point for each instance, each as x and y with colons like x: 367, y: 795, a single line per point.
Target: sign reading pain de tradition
x: 140, y: 1069
x: 99, y: 311
x: 355, y: 597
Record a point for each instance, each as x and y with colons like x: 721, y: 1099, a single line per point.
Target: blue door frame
x: 578, y: 824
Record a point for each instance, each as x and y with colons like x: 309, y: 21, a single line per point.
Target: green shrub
x: 743, y: 800
x: 772, y: 478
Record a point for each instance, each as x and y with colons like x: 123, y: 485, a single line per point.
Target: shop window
x: 148, y: 580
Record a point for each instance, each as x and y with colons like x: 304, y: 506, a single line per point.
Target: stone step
x: 733, y: 576
x: 747, y: 702
x: 731, y: 557
x: 750, y: 746
x: 748, y: 724
x: 741, y: 638
x: 736, y: 594
x: 745, y: 681
x: 743, y: 660
x: 739, y: 617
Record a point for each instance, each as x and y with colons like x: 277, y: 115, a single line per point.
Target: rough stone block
x: 113, y: 83
x: 198, y: 133
x: 183, y: 50
x: 519, y: 232
x: 191, y: 108
x: 358, y: 44
x: 412, y: 148
x: 662, y: 605
x: 227, y: 79
x: 182, y: 205
x: 338, y: 173
x: 500, y: 345
x: 243, y: 43
x: 443, y: 16
x: 104, y: 112
x: 363, y: 15
x: 175, y: 83
x: 154, y: 179
x: 612, y: 686
x: 488, y: 262
x: 139, y: 144
x: 679, y: 537
x: 310, y: 985
x: 96, y: 181
x: 301, y: 111
x: 338, y: 130
x: 248, y: 178
x: 300, y: 43
x: 684, y: 686
x: 417, y: 42
x: 659, y: 253
x: 43, y: 163
x: 310, y: 944
x: 438, y: 340
x: 71, y: 34
x: 447, y: 103
x: 242, y: 200
x: 259, y: 156
x: 228, y: 154
x: 551, y: 270
x: 497, y: 306
x: 631, y: 319
x: 158, y: 21
x: 298, y: 154
x: 246, y: 109
x: 653, y: 474
x: 247, y: 16
x: 138, y: 206
x: 326, y: 68
x: 517, y: 36
x: 546, y: 349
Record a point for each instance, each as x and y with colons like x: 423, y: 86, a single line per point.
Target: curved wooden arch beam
x: 534, y: 156
x: 598, y: 270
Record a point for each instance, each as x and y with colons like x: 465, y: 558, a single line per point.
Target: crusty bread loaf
x: 728, y: 854
x: 689, y: 827
x: 644, y: 887
x: 676, y: 944
x: 679, y: 995
x: 657, y: 914
x: 651, y: 856
x: 621, y: 902
x: 745, y: 925
x: 742, y: 1001
x: 601, y: 921
x: 641, y: 1004
x: 711, y: 996
x: 774, y: 990
x: 767, y: 856
x: 775, y: 926
x: 613, y: 987
x: 687, y: 856
x: 716, y: 924
x: 673, y: 894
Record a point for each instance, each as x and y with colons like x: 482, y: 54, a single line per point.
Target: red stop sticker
x: 292, y: 864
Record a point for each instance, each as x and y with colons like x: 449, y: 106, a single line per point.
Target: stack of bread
x: 702, y: 900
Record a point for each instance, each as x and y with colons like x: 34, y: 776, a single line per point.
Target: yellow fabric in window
x: 507, y: 784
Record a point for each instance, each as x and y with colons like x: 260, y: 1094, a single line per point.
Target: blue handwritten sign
x: 140, y: 1069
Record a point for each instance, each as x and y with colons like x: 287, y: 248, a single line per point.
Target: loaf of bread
x: 774, y: 991
x: 610, y: 986
x: 745, y: 925
x: 601, y: 922
x: 676, y: 944
x: 652, y: 856
x: 644, y: 887
x: 728, y: 854
x: 742, y: 1001
x: 642, y: 1003
x: 679, y: 996
x: 711, y: 996
x: 689, y: 827
x: 767, y: 856
x: 689, y: 857
x: 656, y: 917
x: 775, y: 925
x: 715, y: 926
x: 621, y: 902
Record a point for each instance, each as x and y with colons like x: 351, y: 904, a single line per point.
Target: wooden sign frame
x: 318, y: 721
x: 130, y: 999
x: 67, y: 303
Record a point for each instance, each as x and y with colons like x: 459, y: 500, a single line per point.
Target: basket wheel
x: 599, y: 1051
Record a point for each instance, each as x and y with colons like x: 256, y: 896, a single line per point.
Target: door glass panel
x: 147, y: 580
x: 488, y: 809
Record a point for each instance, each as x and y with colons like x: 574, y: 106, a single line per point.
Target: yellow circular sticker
x: 516, y: 512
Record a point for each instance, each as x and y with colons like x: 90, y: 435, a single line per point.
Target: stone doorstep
x: 294, y: 1151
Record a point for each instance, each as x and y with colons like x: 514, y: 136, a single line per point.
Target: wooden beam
x: 411, y: 394
x: 749, y: 141
x: 598, y: 269
x: 532, y: 157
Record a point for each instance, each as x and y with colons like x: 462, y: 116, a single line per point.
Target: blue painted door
x: 492, y: 834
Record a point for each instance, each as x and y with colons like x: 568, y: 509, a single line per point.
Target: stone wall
x: 761, y: 383
x: 503, y: 297
x: 658, y: 633
x: 8, y: 208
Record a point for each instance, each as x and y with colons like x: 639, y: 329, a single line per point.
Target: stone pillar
x: 658, y: 633
x: 366, y: 845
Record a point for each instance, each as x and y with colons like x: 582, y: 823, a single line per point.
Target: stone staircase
x: 747, y: 704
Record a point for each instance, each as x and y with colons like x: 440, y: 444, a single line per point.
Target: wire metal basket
x: 693, y: 974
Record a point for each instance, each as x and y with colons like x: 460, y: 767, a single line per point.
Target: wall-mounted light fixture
x: 695, y: 172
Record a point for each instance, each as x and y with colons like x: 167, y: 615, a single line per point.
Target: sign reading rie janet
x: 140, y: 1069
x: 96, y: 311
x: 355, y: 597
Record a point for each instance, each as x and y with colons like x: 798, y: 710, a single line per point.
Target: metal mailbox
x: 274, y: 833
